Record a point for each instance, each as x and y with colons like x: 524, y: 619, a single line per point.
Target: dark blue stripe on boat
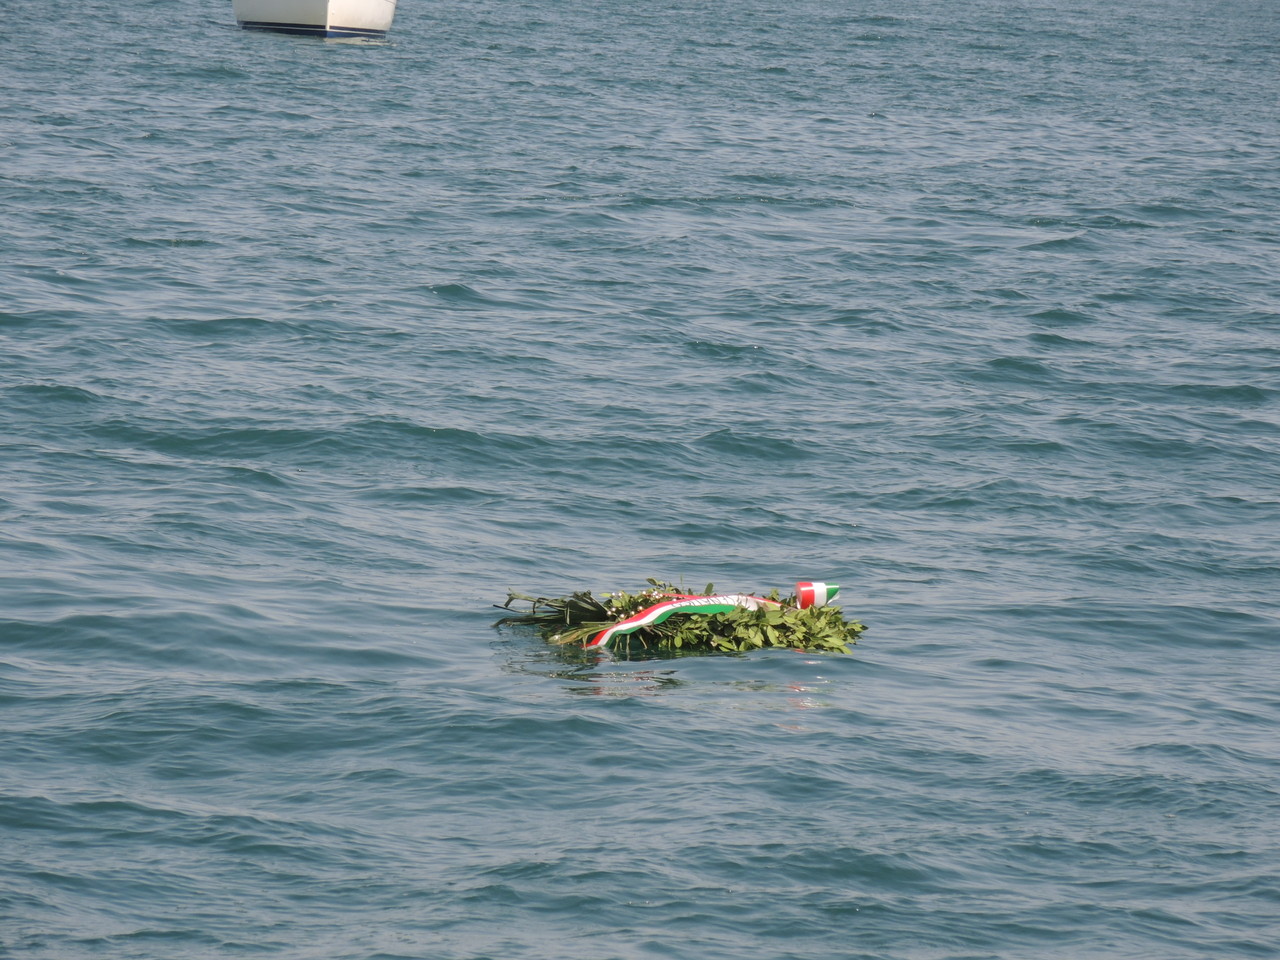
x: 311, y: 29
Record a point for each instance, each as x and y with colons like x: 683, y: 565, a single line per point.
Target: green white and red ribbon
x: 812, y: 594
x: 807, y: 595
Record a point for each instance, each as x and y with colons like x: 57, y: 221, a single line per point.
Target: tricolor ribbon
x: 815, y: 594
x: 807, y: 595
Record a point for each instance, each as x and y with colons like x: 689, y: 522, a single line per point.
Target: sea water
x: 311, y: 351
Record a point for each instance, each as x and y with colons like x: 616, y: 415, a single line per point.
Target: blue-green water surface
x: 309, y: 351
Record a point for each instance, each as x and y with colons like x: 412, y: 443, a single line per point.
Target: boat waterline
x: 322, y: 18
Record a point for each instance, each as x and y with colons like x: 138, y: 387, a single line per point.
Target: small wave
x: 1074, y: 242
x: 740, y: 442
x: 1059, y: 342
x: 41, y: 321
x: 722, y: 351
x: 1236, y: 395
x: 1060, y: 316
x: 226, y: 329
x: 43, y: 395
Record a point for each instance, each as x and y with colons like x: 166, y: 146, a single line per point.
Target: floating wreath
x: 666, y: 617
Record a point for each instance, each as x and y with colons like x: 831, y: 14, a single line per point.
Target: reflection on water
x: 634, y: 673
x: 589, y: 672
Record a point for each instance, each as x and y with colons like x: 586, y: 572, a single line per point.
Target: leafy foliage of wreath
x: 575, y: 619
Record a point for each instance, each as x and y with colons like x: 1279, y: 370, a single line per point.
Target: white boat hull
x: 317, y: 18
